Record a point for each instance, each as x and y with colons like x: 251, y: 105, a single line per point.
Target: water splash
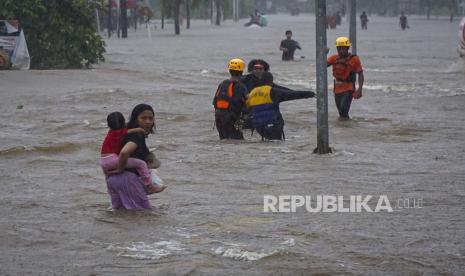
x: 147, y: 251
x: 242, y: 255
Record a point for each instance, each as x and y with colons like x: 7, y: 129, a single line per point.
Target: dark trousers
x: 271, y: 133
x: 224, y: 122
x: 343, y: 101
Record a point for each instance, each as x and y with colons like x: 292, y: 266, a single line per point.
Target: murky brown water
x: 406, y: 141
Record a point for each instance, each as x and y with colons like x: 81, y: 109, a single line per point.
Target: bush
x: 59, y: 33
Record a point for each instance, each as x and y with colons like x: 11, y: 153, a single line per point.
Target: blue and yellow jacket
x: 263, y: 104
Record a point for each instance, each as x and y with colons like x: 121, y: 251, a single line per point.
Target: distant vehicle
x: 461, y: 48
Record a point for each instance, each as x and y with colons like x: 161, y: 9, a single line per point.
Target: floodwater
x: 406, y: 141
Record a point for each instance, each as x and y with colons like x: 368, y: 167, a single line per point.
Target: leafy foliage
x: 59, y: 33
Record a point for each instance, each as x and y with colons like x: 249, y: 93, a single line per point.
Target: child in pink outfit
x: 112, y: 146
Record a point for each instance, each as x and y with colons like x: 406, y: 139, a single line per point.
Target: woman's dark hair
x: 115, y: 121
x: 138, y: 109
x: 266, y: 66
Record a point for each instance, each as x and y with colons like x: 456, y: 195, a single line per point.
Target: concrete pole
x: 353, y: 26
x: 236, y: 10
x: 321, y: 80
x: 109, y: 26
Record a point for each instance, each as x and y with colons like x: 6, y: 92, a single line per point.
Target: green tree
x: 59, y: 33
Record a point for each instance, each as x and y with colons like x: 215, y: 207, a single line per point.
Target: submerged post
x: 109, y: 24
x: 321, y: 80
x: 353, y: 26
x: 236, y: 10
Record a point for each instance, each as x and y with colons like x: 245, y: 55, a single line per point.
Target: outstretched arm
x: 281, y: 95
x: 137, y: 129
x: 281, y: 87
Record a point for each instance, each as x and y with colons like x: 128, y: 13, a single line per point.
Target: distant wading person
x: 403, y: 23
x: 255, y: 68
x: 229, y: 102
x: 346, y: 67
x: 124, y: 186
x: 288, y: 46
x: 364, y: 21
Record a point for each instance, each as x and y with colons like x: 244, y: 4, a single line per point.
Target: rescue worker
x: 346, y: 67
x: 263, y: 106
x: 229, y: 102
x: 255, y: 68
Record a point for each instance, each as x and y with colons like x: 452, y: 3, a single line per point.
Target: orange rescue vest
x: 223, y: 97
x: 342, y: 70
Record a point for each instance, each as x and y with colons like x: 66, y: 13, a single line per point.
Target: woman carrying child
x: 124, y: 185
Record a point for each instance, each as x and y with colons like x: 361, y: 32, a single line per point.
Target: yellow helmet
x: 343, y: 41
x: 236, y: 64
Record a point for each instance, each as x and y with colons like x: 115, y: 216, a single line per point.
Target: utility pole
x: 321, y: 80
x: 236, y: 10
x: 109, y: 27
x: 353, y: 26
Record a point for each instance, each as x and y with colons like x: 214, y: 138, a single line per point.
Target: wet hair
x: 251, y: 64
x: 235, y: 73
x: 138, y: 109
x: 266, y: 79
x: 115, y: 121
x: 288, y: 32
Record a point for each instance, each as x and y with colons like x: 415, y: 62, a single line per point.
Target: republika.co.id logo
x: 339, y: 204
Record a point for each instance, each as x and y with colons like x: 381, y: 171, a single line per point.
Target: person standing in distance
x: 364, y: 20
x: 229, y: 102
x: 346, y: 67
x: 403, y: 22
x: 288, y: 46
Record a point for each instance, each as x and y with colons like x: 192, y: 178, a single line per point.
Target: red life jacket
x: 342, y: 70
